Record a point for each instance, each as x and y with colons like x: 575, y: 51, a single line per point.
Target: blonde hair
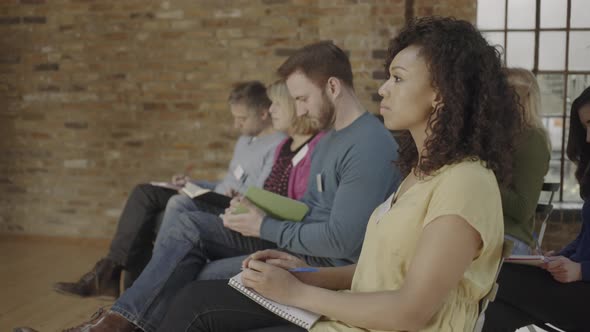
x: 525, y: 84
x: 278, y: 93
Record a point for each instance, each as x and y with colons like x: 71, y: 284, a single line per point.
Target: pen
x: 304, y: 269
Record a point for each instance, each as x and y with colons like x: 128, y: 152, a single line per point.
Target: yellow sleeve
x: 470, y: 191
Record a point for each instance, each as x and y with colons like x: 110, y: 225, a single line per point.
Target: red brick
x: 107, y: 94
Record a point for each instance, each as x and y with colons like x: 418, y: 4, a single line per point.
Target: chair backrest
x: 491, y: 295
x: 545, y: 209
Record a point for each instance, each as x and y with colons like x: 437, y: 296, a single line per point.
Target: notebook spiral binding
x: 269, y: 306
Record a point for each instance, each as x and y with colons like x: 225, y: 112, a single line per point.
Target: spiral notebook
x: 534, y: 260
x: 295, y: 315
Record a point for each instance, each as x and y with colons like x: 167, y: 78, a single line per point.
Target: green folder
x: 274, y: 205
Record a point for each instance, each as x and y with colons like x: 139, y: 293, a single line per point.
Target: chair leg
x: 543, y: 327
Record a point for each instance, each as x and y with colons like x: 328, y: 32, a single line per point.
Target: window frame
x: 566, y: 72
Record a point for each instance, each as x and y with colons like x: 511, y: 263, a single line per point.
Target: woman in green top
x: 530, y: 164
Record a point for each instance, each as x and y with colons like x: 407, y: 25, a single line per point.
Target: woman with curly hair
x: 432, y: 249
x: 558, y: 292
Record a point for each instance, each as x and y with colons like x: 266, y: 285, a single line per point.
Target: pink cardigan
x: 300, y: 173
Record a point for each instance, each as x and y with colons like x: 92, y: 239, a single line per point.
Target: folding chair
x: 544, y: 327
x: 545, y: 209
x: 491, y: 295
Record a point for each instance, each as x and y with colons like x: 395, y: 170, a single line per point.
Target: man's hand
x: 180, y: 179
x: 232, y: 193
x: 248, y: 223
x: 563, y: 269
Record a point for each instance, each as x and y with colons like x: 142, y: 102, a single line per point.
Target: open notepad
x: 167, y: 185
x: 534, y: 260
x: 295, y: 315
x: 206, y: 195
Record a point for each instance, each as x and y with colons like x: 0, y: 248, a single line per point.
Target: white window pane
x: 554, y: 128
x: 490, y: 14
x: 496, y: 39
x: 552, y: 50
x: 521, y: 14
x: 553, y: 175
x: 579, y: 53
x: 551, y: 86
x: 571, y: 188
x: 580, y: 17
x: 553, y: 13
x: 520, y: 51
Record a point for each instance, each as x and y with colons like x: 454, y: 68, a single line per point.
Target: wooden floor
x: 28, y: 268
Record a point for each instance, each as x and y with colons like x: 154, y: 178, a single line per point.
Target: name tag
x: 319, y: 183
x: 300, y: 155
x: 238, y: 172
x: 382, y: 209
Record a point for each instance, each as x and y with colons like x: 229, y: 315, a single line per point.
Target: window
x: 551, y: 38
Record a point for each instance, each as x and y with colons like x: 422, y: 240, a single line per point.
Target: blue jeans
x: 520, y: 247
x: 184, y: 245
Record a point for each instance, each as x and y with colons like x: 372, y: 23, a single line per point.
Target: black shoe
x: 102, y: 281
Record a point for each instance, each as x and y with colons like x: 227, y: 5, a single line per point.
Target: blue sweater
x: 579, y: 249
x: 355, y: 167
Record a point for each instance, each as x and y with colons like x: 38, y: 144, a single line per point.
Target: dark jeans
x: 530, y: 295
x: 138, y: 226
x: 213, y: 306
x: 132, y: 244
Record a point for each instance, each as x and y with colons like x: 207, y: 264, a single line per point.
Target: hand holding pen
x: 272, y: 282
x: 563, y: 269
x: 181, y: 179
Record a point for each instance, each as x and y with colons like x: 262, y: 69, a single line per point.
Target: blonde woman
x: 530, y: 164
x: 292, y: 159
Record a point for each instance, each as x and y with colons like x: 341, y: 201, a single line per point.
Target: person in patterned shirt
x: 290, y: 170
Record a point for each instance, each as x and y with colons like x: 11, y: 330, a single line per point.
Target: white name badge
x: 238, y: 172
x: 382, y: 209
x: 318, y: 179
x: 300, y: 155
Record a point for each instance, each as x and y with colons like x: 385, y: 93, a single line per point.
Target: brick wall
x: 96, y: 96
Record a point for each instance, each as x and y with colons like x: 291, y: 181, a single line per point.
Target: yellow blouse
x: 466, y: 189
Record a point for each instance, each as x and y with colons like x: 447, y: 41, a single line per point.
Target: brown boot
x: 101, y: 281
x: 104, y: 321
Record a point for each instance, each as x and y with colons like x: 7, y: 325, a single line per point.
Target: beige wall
x: 96, y: 96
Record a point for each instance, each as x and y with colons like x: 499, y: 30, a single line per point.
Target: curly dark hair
x: 577, y: 149
x: 479, y: 116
